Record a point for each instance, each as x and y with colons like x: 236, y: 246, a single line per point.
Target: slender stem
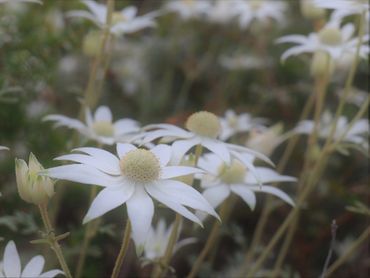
x: 212, y: 237
x: 54, y: 244
x: 122, y: 251
x: 334, y: 228
x: 364, y: 236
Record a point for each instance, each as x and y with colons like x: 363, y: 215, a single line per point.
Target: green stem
x: 212, y: 238
x: 122, y: 251
x: 364, y: 236
x: 54, y: 244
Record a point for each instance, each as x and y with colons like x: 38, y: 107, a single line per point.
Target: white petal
x: 219, y: 148
x: 11, y: 261
x: 61, y: 120
x: 103, y: 114
x: 123, y: 149
x: 107, y: 157
x: 180, y: 148
x: 108, y: 199
x: 51, y: 273
x: 215, y: 195
x: 82, y: 174
x: 99, y: 163
x: 140, y: 210
x: 125, y: 126
x: 246, y: 194
x: 178, y: 171
x: 97, y: 9
x: 274, y: 191
x: 211, y: 163
x: 166, y: 200
x: 34, y: 267
x: 185, y: 195
x: 163, y: 153
x: 299, y: 39
x: 295, y: 50
x: 129, y: 12
x: 268, y: 175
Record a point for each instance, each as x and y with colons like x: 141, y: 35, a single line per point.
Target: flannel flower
x: 100, y: 126
x: 11, y: 265
x: 232, y: 124
x: 344, y: 8
x: 125, y: 21
x: 133, y: 178
x: 332, y: 39
x: 158, y: 237
x: 203, y: 129
x: 221, y: 180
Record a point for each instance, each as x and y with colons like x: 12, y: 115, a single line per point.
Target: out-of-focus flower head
x: 222, y: 11
x: 232, y: 124
x: 134, y: 177
x: 11, y: 265
x: 32, y: 187
x: 187, y: 9
x: 244, y: 62
x: 125, y: 21
x: 100, y: 126
x: 158, y: 237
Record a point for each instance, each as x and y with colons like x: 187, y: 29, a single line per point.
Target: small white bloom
x: 125, y: 21
x: 157, y: 240
x: 187, y: 9
x: 233, y: 124
x: 203, y: 129
x: 332, y: 39
x: 100, y: 126
x: 358, y: 134
x: 12, y: 265
x: 222, y: 180
x: 261, y: 11
x: 133, y: 178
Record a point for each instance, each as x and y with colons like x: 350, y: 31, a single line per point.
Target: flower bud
x: 91, y: 43
x: 310, y: 11
x: 322, y: 64
x: 32, y: 188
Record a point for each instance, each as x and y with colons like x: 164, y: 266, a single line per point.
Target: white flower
x: 100, y: 126
x: 3, y: 148
x: 358, y: 134
x: 187, y: 9
x: 157, y: 240
x: 222, y: 180
x: 332, y: 39
x: 233, y: 124
x: 12, y: 265
x: 343, y: 8
x: 133, y: 178
x: 261, y: 11
x: 244, y: 62
x: 125, y: 21
x: 204, y: 128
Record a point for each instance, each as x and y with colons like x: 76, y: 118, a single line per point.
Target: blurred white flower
x: 222, y: 11
x: 204, y: 129
x: 3, y: 148
x: 358, y: 134
x: 261, y: 11
x: 187, y: 9
x: 244, y: 62
x: 232, y: 124
x: 356, y: 96
x: 332, y: 39
x: 100, y: 126
x: 221, y: 180
x: 12, y: 265
x: 134, y: 178
x: 125, y: 21
x: 157, y: 240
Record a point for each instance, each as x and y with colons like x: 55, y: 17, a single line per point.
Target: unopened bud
x: 91, y: 43
x: 322, y: 64
x: 310, y: 11
x: 32, y: 187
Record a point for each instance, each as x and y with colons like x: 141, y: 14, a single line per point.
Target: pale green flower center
x: 118, y: 17
x: 140, y: 166
x: 234, y: 173
x: 103, y: 128
x: 330, y: 36
x: 204, y: 123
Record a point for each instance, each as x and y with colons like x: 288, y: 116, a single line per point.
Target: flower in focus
x: 100, y: 126
x: 332, y: 39
x: 12, y: 265
x: 357, y: 134
x: 32, y: 187
x: 134, y: 177
x: 187, y: 9
x: 125, y: 21
x: 157, y: 240
x: 221, y: 180
x: 233, y: 124
x: 262, y: 11
x: 203, y: 129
